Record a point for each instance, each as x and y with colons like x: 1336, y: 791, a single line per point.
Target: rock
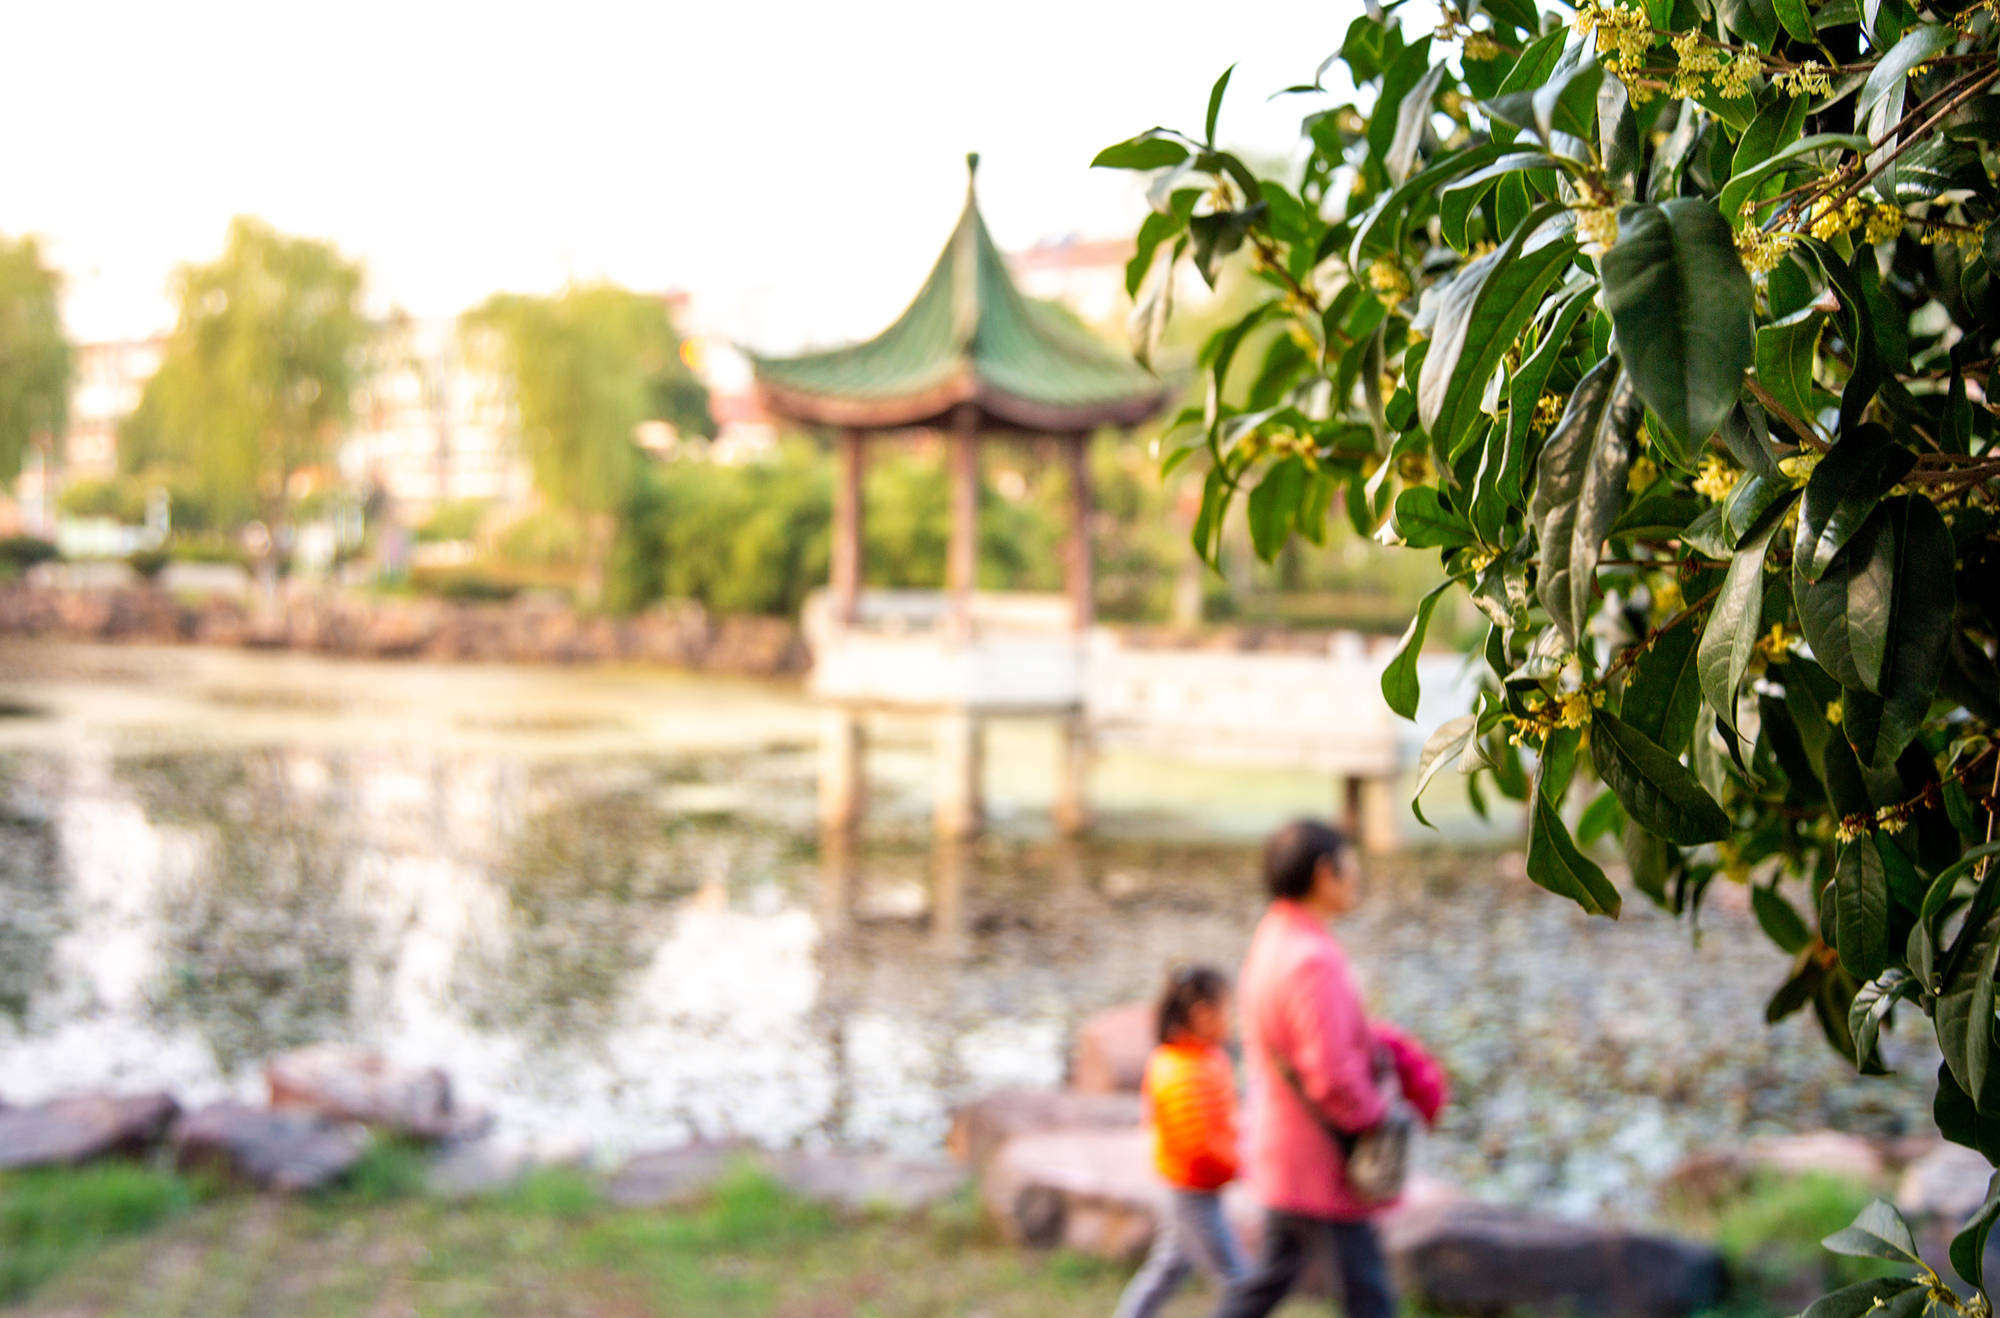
x: 489, y: 1163
x: 867, y: 1181
x: 1111, y: 1049
x: 67, y: 1131
x: 287, y: 1151
x: 1487, y: 1259
x: 349, y: 1084
x: 1092, y: 1191
x: 979, y: 1128
x: 1947, y: 1183
x: 1708, y: 1178
x: 674, y: 1176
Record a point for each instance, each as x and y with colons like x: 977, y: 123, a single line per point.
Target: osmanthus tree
x: 1671, y: 325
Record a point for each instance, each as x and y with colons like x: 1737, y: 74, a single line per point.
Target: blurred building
x: 1085, y: 275
x: 110, y: 376
x: 432, y: 425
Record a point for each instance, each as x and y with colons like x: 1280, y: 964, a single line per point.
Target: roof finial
x: 971, y: 162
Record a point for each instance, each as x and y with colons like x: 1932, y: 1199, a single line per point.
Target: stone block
x: 65, y: 1132
x: 1111, y: 1048
x: 285, y: 1151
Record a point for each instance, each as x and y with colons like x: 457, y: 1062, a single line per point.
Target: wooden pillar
x: 952, y: 872
x: 962, y: 561
x: 1079, y: 564
x: 961, y: 763
x: 1368, y: 815
x: 843, y: 783
x: 847, y: 528
x: 1073, y: 756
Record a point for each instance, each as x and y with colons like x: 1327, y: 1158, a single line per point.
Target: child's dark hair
x: 1187, y: 986
x: 1293, y: 855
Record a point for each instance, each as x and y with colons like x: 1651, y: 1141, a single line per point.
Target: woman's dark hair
x: 1293, y: 855
x: 1187, y: 986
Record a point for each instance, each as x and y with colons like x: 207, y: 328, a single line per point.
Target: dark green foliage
x: 1668, y: 349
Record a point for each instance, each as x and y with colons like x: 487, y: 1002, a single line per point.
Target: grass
x: 51, y: 1219
x: 124, y: 1241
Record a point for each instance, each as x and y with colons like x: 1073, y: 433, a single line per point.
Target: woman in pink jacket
x: 1298, y: 1003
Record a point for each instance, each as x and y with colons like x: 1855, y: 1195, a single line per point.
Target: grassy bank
x: 134, y: 1242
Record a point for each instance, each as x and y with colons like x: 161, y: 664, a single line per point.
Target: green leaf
x: 1663, y: 694
x: 1580, y: 490
x: 1843, y: 490
x: 1274, y: 505
x: 1894, y: 67
x: 1423, y: 522
x: 1861, y: 1298
x: 1879, y: 1232
x: 1780, y: 923
x: 1154, y: 306
x: 1918, y: 640
x: 1964, y: 1009
x: 1218, y: 234
x: 1872, y: 1003
x: 1658, y: 791
x: 1785, y: 353
x: 1567, y: 103
x: 1525, y: 389
x: 1845, y: 615
x: 1451, y: 740
x: 1458, y: 198
x: 1145, y: 151
x: 1968, y: 1247
x: 1603, y: 817
x: 1794, y: 156
x: 1479, y: 316
x: 1555, y: 864
x: 1731, y: 635
x: 1753, y: 20
x: 1399, y: 679
x: 1379, y: 228
x: 1861, y: 909
x: 1962, y: 1123
x: 1797, y: 21
x: 1215, y: 105
x: 1413, y: 115
x: 1681, y: 304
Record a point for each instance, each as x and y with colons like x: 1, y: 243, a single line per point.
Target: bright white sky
x: 795, y: 164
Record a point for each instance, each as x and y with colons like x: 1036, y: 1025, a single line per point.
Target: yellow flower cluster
x: 1696, y: 61
x: 1835, y: 711
x: 1890, y: 819
x: 1807, y: 79
x: 1667, y: 599
x: 1828, y: 221
x: 1623, y: 35
x: 1761, y: 251
x: 1716, y: 479
x: 1573, y: 707
x: 1799, y: 466
x: 1884, y: 222
x: 1548, y: 411
x: 1852, y: 828
x: 1596, y: 228
x: 1774, y: 646
x: 1481, y: 45
x: 1969, y: 238
x: 1734, y: 81
x: 1644, y: 472
x: 1388, y: 281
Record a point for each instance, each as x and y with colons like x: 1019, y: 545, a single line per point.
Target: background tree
x: 588, y: 366
x: 1672, y: 326
x: 36, y: 362
x: 258, y: 377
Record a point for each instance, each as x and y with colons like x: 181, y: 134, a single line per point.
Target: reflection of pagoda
x: 970, y: 357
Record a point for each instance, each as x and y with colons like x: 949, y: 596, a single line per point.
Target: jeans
x: 1290, y: 1242
x: 1193, y: 1234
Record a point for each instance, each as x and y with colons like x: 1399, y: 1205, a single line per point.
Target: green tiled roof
x: 968, y: 336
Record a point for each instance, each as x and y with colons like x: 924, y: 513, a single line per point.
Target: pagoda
x: 971, y: 358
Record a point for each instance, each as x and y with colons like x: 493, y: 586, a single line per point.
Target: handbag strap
x: 1344, y: 1140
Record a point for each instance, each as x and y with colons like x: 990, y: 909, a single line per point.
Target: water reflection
x: 647, y: 947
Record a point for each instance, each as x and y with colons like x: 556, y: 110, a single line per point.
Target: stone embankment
x: 526, y: 630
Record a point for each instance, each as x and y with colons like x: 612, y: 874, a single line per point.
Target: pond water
x: 597, y: 899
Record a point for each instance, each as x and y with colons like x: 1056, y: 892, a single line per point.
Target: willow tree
x: 587, y: 367
x: 1670, y: 326
x: 36, y: 362
x: 257, y: 382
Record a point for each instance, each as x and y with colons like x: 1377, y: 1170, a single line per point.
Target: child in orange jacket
x: 1190, y: 1095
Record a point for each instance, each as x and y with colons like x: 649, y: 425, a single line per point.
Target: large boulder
x: 350, y: 1084
x: 1092, y: 1191
x: 1709, y: 1177
x: 286, y: 1151
x: 980, y: 1128
x: 77, y: 1129
x: 1109, y: 1056
x: 1486, y: 1259
x: 867, y: 1181
x: 1947, y: 1183
x: 675, y: 1176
